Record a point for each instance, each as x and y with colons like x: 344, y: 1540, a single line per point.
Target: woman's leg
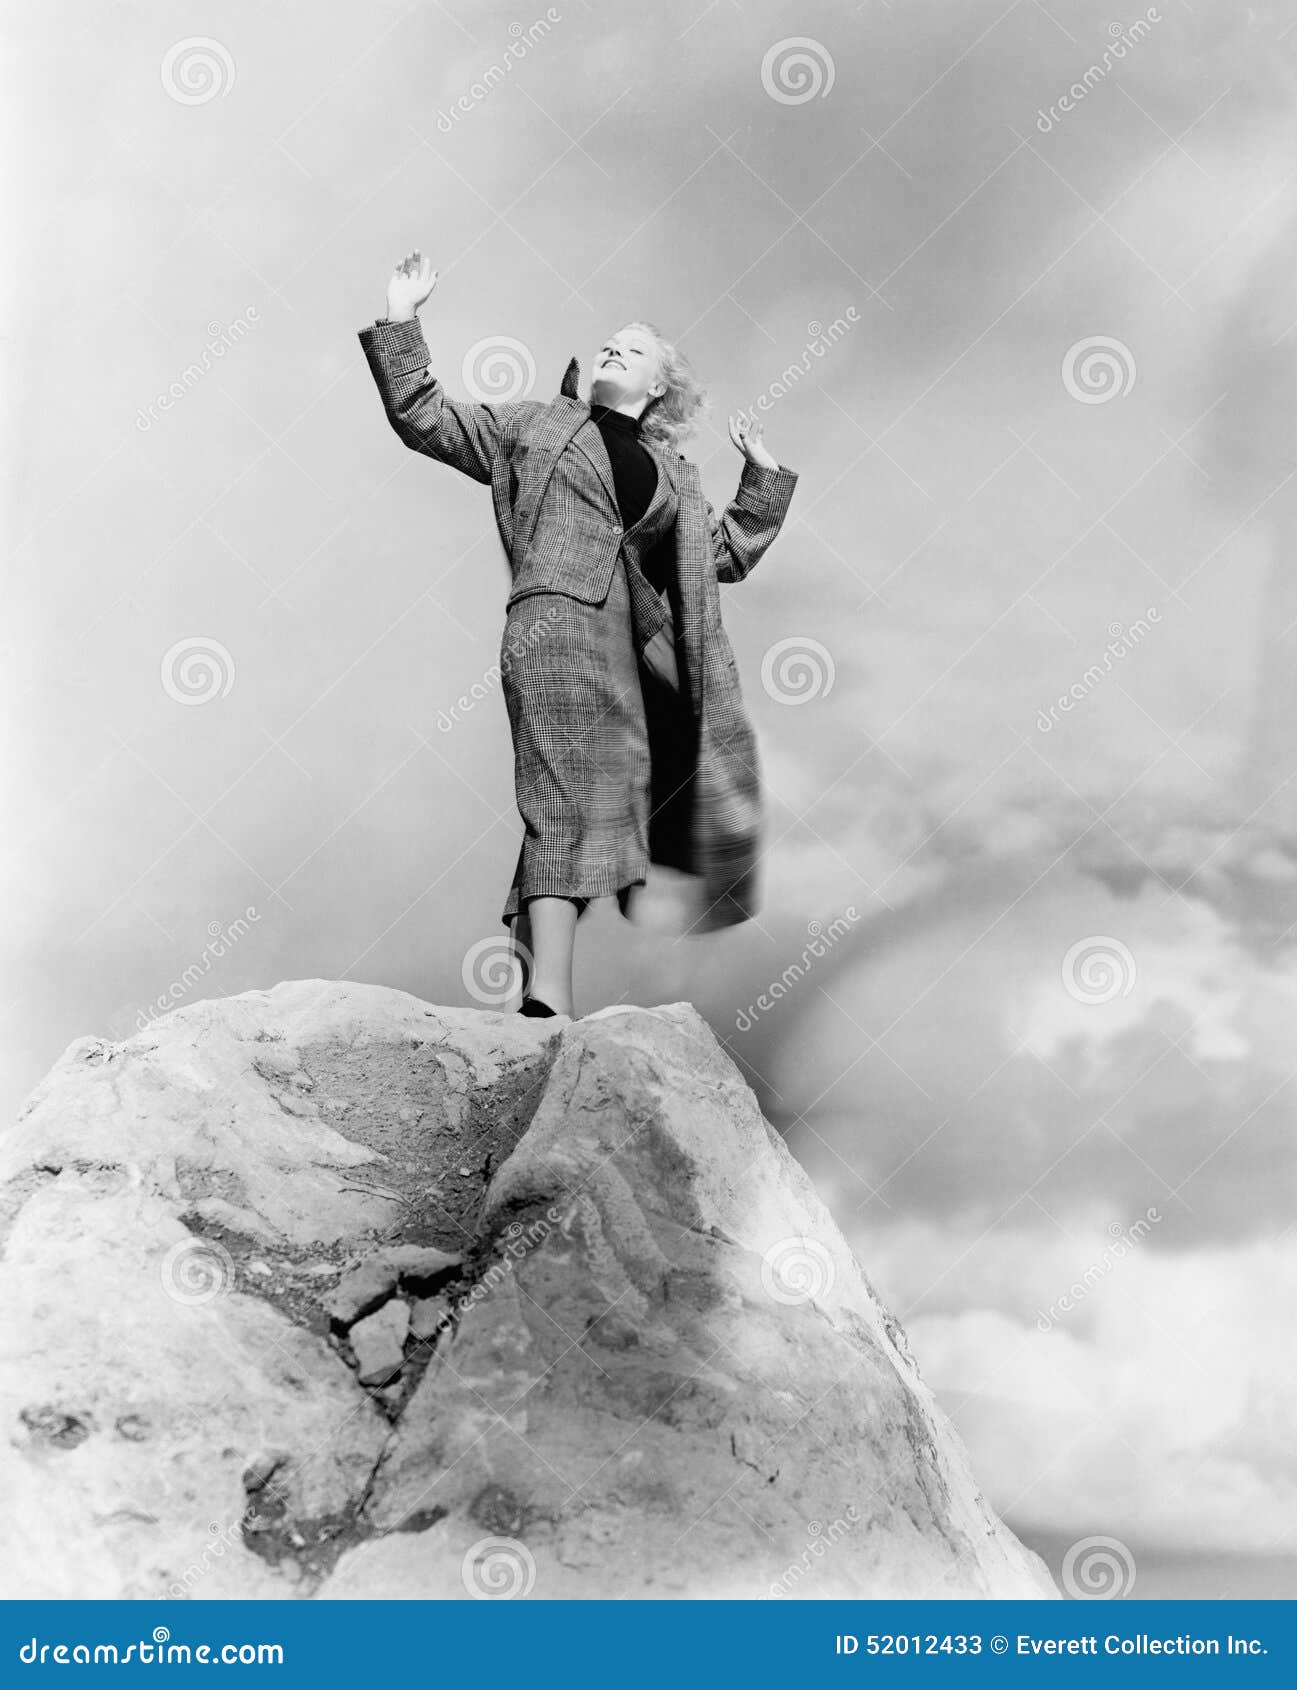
x: 544, y: 937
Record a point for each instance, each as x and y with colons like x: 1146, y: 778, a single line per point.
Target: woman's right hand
x: 411, y: 283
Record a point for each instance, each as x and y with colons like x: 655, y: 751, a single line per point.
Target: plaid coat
x: 562, y: 534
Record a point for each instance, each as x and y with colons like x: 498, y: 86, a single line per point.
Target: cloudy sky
x: 1014, y: 283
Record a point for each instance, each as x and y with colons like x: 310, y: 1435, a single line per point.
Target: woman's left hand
x: 747, y: 437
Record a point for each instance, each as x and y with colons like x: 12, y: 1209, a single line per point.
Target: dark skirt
x: 603, y: 751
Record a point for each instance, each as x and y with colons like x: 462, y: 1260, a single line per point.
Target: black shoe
x: 536, y: 1006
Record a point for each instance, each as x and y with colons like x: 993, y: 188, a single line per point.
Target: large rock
x: 642, y: 1362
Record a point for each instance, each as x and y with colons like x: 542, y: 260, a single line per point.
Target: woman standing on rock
x: 631, y: 744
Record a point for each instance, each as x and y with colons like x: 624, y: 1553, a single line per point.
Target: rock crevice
x: 384, y: 1299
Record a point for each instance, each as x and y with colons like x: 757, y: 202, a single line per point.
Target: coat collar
x: 674, y: 463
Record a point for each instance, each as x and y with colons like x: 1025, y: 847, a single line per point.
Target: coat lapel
x: 589, y: 440
x: 550, y: 432
x: 586, y: 433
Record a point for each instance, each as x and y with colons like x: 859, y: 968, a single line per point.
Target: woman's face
x: 626, y: 369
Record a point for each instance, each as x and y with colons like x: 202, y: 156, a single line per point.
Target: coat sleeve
x: 752, y: 519
x: 465, y: 436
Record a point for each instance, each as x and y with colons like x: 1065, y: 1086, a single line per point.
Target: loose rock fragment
x: 422, y: 1261
x: 379, y: 1343
x: 361, y: 1289
x: 368, y: 1285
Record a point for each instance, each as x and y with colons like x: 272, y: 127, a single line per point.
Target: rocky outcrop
x: 327, y: 1291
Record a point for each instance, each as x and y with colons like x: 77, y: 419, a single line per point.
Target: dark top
x: 634, y: 475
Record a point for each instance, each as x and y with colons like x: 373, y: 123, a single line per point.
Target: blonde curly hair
x: 684, y: 406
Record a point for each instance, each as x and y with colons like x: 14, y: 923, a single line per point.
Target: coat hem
x: 605, y: 886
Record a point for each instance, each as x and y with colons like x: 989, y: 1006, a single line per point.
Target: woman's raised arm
x: 465, y: 436
x: 756, y: 513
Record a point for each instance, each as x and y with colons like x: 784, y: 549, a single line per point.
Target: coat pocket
x: 531, y: 467
x: 576, y: 565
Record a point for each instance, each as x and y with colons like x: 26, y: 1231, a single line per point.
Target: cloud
x: 1167, y: 1418
x: 1063, y: 1046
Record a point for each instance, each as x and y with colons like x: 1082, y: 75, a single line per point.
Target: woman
x: 630, y: 740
